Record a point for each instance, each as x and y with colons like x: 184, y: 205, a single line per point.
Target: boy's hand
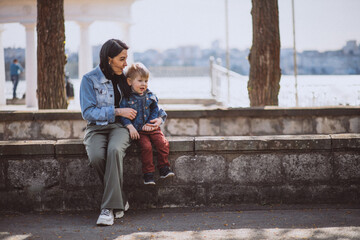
x: 155, y: 123
x: 133, y: 133
x: 147, y: 128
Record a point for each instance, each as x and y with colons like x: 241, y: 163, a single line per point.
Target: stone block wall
x: 41, y: 125
x: 263, y: 121
x: 60, y: 124
x: 210, y: 171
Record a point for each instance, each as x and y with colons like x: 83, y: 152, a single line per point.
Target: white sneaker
x: 120, y: 214
x: 106, y: 217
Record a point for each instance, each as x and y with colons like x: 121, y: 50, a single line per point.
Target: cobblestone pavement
x: 240, y: 222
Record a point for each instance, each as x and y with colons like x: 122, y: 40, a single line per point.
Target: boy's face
x: 138, y: 85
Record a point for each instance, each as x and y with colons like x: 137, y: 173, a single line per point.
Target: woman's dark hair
x: 112, y: 48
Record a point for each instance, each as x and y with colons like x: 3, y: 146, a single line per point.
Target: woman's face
x: 118, y: 63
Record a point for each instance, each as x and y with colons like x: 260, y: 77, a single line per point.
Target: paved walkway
x: 241, y: 222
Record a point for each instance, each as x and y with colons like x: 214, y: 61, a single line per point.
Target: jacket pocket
x: 133, y: 104
x: 101, y: 95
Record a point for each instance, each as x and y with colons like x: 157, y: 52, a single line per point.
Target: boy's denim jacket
x: 97, y: 98
x: 146, y: 106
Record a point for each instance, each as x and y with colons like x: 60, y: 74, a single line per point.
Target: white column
x: 30, y: 65
x: 126, y: 38
x: 85, y: 50
x: 2, y: 70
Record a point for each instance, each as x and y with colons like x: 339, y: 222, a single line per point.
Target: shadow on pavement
x: 292, y: 222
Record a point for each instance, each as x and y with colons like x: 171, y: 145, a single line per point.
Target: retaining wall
x: 55, y: 175
x: 60, y: 124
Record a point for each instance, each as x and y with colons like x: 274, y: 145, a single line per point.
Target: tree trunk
x: 51, y: 54
x: 264, y: 57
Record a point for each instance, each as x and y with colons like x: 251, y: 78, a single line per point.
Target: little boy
x: 145, y: 103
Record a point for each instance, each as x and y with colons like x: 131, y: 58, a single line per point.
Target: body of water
x: 313, y: 90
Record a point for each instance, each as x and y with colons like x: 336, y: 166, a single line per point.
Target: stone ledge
x: 50, y: 115
x: 255, y: 143
x: 265, y: 112
x: 232, y: 112
x: 345, y: 141
x: 76, y: 146
x: 11, y: 116
x: 181, y: 144
x: 70, y: 147
x: 32, y: 147
x: 196, y: 144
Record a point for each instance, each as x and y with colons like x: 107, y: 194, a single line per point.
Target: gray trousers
x: 105, y: 147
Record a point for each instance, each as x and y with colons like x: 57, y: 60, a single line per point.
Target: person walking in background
x: 15, y: 70
x: 145, y: 103
x: 106, y: 139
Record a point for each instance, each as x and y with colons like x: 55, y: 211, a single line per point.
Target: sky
x: 162, y: 24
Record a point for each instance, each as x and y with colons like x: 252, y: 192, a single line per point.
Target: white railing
x: 220, y: 81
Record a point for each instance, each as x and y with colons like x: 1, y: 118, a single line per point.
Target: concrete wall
x: 60, y: 124
x: 54, y: 175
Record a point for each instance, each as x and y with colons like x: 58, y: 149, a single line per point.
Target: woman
x: 106, y: 140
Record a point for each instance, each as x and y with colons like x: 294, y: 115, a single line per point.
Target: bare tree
x: 264, y: 57
x: 51, y: 54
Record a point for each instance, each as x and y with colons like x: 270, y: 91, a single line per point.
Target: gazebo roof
x: 25, y: 11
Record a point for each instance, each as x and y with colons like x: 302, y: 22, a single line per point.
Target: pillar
x: 2, y: 70
x: 85, y: 50
x: 125, y: 29
x: 30, y: 65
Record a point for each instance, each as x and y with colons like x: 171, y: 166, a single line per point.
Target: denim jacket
x: 146, y: 106
x: 97, y: 98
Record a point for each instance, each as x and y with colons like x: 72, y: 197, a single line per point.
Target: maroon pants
x: 161, y: 145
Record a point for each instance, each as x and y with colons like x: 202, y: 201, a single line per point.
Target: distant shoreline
x: 313, y: 90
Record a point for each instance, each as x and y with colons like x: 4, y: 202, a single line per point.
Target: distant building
x: 351, y: 48
x: 216, y: 45
x: 344, y: 61
x: 189, y: 55
x: 195, y: 60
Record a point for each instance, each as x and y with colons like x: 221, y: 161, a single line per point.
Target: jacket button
x: 110, y: 95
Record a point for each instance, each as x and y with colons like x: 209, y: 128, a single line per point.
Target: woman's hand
x: 133, y: 133
x: 155, y: 123
x: 126, y: 112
